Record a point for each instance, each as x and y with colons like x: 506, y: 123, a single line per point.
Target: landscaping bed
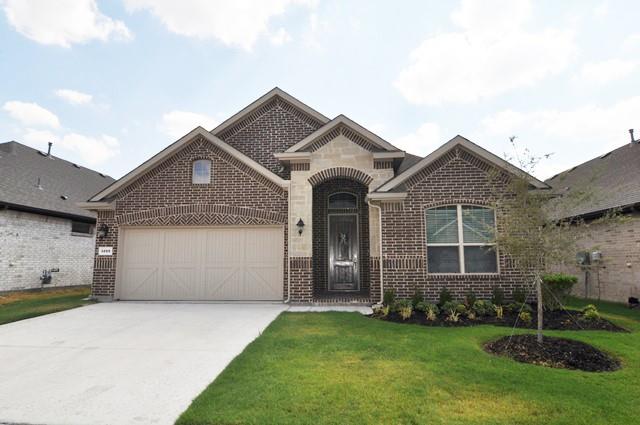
x: 553, y: 320
x: 553, y: 352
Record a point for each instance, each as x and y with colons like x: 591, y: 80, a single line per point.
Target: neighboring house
x: 609, y: 182
x: 280, y: 202
x: 41, y: 227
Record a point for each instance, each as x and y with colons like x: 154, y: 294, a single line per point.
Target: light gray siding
x: 30, y: 243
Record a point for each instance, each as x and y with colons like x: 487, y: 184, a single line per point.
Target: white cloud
x: 234, y: 23
x: 92, y: 150
x: 492, y: 54
x: 606, y: 71
x: 423, y: 141
x: 63, y: 22
x: 573, y: 135
x: 178, y: 123
x: 280, y: 37
x: 74, y: 97
x: 601, y: 10
x: 31, y: 114
x: 38, y: 138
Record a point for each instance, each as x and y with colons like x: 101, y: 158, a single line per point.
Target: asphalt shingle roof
x: 611, y: 180
x: 22, y: 166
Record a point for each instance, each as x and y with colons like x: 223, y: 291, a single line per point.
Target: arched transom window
x: 343, y: 200
x: 201, y: 172
x: 460, y: 239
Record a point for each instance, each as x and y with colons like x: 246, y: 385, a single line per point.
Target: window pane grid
x: 461, y: 244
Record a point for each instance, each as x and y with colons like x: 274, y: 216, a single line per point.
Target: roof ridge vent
x: 64, y: 197
x: 75, y: 165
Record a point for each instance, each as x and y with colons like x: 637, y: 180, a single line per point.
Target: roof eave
x: 461, y: 141
x: 174, y: 147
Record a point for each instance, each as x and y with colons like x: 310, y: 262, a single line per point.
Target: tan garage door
x: 222, y: 263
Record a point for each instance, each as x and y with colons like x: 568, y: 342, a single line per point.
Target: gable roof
x: 345, y: 121
x: 262, y: 100
x: 611, y: 181
x: 174, y: 147
x: 467, y: 144
x: 20, y: 169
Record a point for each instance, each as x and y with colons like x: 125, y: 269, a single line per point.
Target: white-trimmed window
x: 459, y: 239
x: 201, y: 172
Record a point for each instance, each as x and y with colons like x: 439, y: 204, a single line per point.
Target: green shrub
x: 497, y: 296
x: 590, y: 312
x: 404, y: 308
x: 519, y: 295
x: 417, y: 298
x: 470, y: 299
x: 381, y: 310
x: 432, y: 312
x: 444, y: 297
x: 525, y: 316
x: 555, y: 289
x: 471, y: 314
x: 453, y: 311
x: 517, y: 307
x: 421, y: 306
x: 483, y: 308
x: 389, y: 298
x: 499, y: 311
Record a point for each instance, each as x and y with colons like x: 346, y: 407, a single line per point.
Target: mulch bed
x: 553, y: 320
x: 553, y: 352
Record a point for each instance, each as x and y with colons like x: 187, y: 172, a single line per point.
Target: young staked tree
x: 532, y: 230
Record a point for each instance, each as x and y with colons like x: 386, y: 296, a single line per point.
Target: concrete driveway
x: 120, y: 363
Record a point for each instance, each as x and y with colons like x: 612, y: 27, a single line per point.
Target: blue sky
x: 113, y: 82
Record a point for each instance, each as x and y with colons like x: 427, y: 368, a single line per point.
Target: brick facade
x: 31, y: 243
x: 618, y: 276
x: 458, y: 177
x: 274, y: 127
x: 340, y: 160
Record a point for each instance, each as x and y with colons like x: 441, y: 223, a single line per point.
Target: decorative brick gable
x: 457, y: 177
x: 165, y: 196
x: 274, y: 127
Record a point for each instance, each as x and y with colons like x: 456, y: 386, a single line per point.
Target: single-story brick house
x: 612, y: 182
x: 280, y: 202
x: 41, y: 227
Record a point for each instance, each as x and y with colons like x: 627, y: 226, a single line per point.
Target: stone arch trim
x: 340, y: 172
x: 202, y: 214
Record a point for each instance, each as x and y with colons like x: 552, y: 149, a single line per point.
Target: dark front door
x: 343, y: 252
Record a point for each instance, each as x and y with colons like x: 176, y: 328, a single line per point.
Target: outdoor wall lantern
x: 103, y: 231
x: 300, y: 226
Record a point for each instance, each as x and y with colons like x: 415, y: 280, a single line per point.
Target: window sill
x: 82, y: 235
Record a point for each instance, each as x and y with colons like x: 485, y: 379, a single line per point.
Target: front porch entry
x: 340, y: 242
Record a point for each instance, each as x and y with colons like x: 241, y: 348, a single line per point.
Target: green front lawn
x: 343, y: 368
x: 23, y: 305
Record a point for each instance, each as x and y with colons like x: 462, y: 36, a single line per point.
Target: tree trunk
x: 539, y: 296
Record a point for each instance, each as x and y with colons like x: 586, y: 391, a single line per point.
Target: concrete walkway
x: 120, y: 363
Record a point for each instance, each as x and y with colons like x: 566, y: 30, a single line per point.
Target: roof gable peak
x: 369, y: 139
x: 275, y: 93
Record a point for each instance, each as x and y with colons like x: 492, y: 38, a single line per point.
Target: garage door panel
x: 202, y: 263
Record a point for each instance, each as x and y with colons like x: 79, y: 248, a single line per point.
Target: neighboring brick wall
x: 619, y: 243
x: 275, y: 127
x: 457, y: 177
x: 237, y: 195
x: 30, y: 243
x: 320, y: 231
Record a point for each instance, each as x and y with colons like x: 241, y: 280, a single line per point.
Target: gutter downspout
x: 380, y: 248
